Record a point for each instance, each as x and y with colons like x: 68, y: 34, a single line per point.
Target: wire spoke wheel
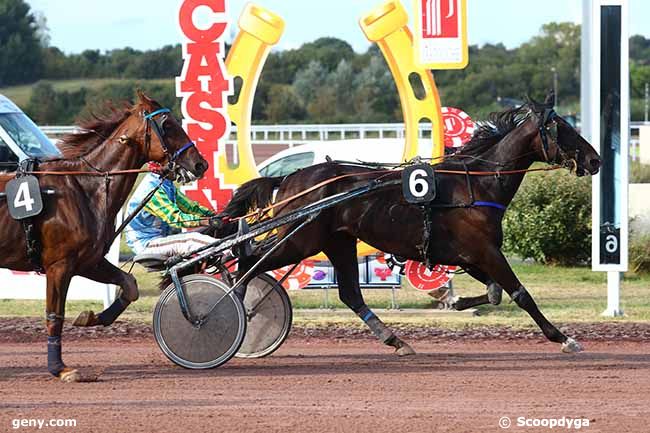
x: 268, y: 315
x: 212, y: 342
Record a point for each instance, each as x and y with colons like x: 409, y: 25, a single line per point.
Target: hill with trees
x: 324, y: 81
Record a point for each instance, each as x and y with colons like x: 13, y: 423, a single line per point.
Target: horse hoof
x: 85, y: 318
x: 571, y: 346
x: 69, y: 375
x: 494, y: 293
x: 405, y: 350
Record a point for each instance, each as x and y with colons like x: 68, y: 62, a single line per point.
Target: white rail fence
x: 284, y: 133
x: 292, y: 134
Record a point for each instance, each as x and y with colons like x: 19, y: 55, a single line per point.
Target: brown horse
x: 462, y: 226
x: 76, y: 226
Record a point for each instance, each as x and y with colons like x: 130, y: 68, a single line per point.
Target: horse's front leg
x: 493, y: 295
x: 495, y: 264
x: 59, y: 275
x: 107, y: 273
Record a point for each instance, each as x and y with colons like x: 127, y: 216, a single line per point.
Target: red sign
x: 425, y: 279
x: 440, y: 19
x: 204, y: 87
x: 383, y: 273
x: 459, y: 127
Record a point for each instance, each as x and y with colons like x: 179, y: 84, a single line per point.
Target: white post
x: 613, y: 295
x: 607, y: 129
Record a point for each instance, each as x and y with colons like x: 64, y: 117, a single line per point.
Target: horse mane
x: 498, y: 125
x: 94, y: 131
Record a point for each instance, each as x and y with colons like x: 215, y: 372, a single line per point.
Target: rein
x: 151, y: 123
x: 91, y: 173
x: 272, y: 206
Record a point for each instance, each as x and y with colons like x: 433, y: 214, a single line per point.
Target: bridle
x: 157, y: 125
x: 548, y: 134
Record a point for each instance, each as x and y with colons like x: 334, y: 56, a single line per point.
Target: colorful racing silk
x: 167, y: 211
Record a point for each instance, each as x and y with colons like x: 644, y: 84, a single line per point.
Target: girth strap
x: 32, y: 240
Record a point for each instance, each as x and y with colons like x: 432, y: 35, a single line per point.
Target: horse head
x: 559, y: 142
x: 168, y: 144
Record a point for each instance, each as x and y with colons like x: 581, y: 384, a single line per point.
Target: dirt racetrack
x: 331, y: 384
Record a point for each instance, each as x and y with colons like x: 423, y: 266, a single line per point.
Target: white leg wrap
x: 571, y: 346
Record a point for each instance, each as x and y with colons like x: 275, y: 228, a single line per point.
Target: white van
x: 382, y: 150
x: 20, y: 138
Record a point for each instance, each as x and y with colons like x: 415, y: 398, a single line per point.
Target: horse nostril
x: 595, y: 163
x: 201, y: 167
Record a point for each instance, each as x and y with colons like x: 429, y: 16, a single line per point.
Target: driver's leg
x: 178, y: 245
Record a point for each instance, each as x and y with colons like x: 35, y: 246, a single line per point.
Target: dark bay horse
x: 76, y: 228
x: 462, y: 226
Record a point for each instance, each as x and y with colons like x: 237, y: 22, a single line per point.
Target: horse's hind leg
x: 58, y: 280
x: 493, y: 295
x: 342, y: 252
x: 106, y: 272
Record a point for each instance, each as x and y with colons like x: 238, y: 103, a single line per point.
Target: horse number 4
x: 418, y: 184
x: 24, y: 198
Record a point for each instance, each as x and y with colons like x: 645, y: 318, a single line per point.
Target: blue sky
x: 76, y: 25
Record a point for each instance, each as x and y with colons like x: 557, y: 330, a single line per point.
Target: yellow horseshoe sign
x: 387, y: 25
x: 259, y: 30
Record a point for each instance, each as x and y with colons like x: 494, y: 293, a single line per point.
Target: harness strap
x: 32, y: 243
x: 157, y: 112
x: 182, y: 149
x: 489, y: 204
x: 468, y: 182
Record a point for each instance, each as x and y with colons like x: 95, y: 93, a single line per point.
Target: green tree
x: 55, y: 64
x: 309, y: 80
x: 341, y: 82
x: 42, y: 106
x: 284, y: 105
x: 376, y: 98
x: 20, y: 51
x: 640, y: 49
x: 162, y: 63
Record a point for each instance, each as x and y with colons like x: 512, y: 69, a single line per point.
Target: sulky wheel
x: 209, y: 343
x: 269, y: 316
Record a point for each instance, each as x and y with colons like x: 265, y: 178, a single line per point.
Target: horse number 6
x: 24, y: 198
x: 611, y: 244
x: 418, y: 185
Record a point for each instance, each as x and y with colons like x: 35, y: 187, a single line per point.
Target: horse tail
x: 254, y: 194
x: 257, y: 193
